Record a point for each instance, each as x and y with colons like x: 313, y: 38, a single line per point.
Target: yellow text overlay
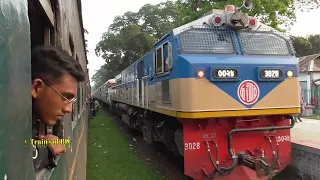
x: 42, y: 142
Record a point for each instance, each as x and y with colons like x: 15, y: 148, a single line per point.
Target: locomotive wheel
x: 169, y: 141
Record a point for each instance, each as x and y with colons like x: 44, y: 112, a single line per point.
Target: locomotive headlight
x: 200, y: 74
x: 289, y: 73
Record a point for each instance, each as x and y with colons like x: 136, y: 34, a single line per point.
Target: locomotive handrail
x: 145, y: 77
x: 124, y: 83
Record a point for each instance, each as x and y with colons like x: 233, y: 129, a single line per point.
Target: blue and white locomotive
x: 221, y: 91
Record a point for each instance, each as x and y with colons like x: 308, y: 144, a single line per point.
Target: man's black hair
x: 51, y: 63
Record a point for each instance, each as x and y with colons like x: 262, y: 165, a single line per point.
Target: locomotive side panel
x: 15, y: 101
x: 162, y: 72
x: 141, y: 86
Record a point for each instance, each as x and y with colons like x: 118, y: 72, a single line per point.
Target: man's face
x: 52, y: 103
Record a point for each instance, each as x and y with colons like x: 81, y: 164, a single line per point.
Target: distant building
x: 309, y: 69
x: 309, y: 74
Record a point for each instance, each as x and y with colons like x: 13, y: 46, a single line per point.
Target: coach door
x: 140, y: 83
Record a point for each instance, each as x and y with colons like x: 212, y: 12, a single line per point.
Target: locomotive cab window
x: 159, y: 61
x: 163, y: 58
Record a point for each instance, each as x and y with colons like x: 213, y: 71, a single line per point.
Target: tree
x: 306, y: 5
x: 86, y: 41
x: 315, y: 43
x: 159, y: 19
x: 301, y: 45
x: 279, y: 12
x: 273, y: 14
x: 121, y: 49
x: 306, y: 45
x: 131, y: 35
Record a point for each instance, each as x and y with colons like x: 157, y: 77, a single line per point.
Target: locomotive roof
x: 206, y: 18
x: 111, y: 81
x: 119, y: 75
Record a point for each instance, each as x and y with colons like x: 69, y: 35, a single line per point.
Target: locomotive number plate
x: 271, y: 73
x: 226, y: 73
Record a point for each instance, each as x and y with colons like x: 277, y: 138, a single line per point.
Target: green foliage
x: 272, y: 13
x: 131, y: 35
x: 306, y: 5
x: 157, y: 20
x: 86, y: 41
x: 306, y: 45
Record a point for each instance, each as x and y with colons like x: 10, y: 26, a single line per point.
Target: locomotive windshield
x: 265, y: 42
x: 206, y: 40
x: 224, y: 41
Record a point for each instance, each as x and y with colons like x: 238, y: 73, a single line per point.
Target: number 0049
x: 191, y: 146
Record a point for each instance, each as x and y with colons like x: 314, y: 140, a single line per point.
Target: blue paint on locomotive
x: 248, y: 70
x: 187, y: 66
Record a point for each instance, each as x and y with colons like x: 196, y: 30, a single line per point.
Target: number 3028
x: 191, y: 146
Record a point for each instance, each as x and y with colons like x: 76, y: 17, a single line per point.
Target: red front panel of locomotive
x: 263, y: 152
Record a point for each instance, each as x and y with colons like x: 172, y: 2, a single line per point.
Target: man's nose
x: 68, y: 108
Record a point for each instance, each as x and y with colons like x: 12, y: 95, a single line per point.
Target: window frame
x: 156, y: 60
x: 170, y: 56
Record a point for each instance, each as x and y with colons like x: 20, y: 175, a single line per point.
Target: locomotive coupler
x: 261, y: 167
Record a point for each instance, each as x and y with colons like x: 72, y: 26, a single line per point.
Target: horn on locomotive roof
x: 247, y: 4
x: 233, y: 18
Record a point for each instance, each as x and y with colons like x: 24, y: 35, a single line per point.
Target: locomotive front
x: 239, y: 87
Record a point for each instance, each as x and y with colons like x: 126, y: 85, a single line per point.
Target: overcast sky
x: 99, y: 14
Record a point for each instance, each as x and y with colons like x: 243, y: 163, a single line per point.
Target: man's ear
x: 37, y: 85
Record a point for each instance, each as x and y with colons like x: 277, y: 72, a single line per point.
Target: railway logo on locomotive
x: 248, y: 92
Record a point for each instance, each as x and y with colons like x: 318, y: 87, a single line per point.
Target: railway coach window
x: 54, y: 83
x: 71, y: 45
x: 41, y: 17
x: 167, y: 56
x: 52, y: 103
x: 44, y: 21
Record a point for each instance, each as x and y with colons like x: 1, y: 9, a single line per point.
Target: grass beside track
x: 110, y: 155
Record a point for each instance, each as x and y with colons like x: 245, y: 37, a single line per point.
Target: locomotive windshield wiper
x: 253, y: 33
x: 221, y: 37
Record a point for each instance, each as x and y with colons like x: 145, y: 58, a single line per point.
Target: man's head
x: 55, y: 77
